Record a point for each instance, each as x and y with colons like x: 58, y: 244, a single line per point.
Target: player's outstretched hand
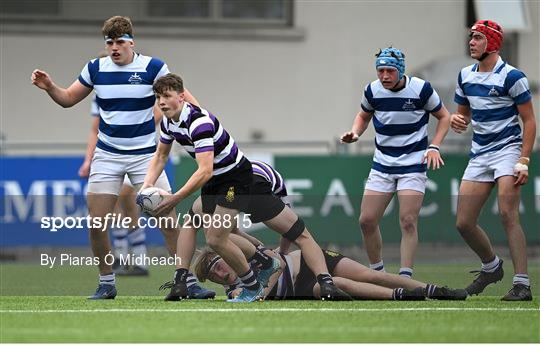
x: 458, y: 123
x: 41, y: 79
x: 433, y: 159
x: 349, y: 137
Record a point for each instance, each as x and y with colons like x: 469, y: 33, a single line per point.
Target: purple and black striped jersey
x: 200, y: 131
x: 271, y: 175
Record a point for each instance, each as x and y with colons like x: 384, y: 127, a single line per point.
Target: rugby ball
x: 149, y: 199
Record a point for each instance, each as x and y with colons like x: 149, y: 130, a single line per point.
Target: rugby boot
x: 196, y: 291
x: 330, y: 292
x: 483, y: 279
x: 248, y: 295
x: 104, y: 291
x: 179, y: 291
x: 518, y: 292
x: 264, y: 275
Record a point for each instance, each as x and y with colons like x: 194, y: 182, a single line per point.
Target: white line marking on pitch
x: 279, y: 310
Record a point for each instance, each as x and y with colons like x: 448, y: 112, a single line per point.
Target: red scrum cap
x: 493, y: 33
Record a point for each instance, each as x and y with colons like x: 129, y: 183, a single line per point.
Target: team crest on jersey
x: 230, y: 195
x: 135, y: 79
x: 408, y: 105
x: 493, y: 92
x: 331, y: 253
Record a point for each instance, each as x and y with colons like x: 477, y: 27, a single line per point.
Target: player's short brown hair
x: 116, y: 27
x: 168, y: 82
x: 202, y: 263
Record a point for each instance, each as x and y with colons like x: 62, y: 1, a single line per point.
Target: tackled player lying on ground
x: 296, y: 281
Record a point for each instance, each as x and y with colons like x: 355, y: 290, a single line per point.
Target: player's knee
x: 408, y: 223
x: 371, y: 276
x: 464, y: 226
x: 297, y: 232
x: 367, y: 224
x: 509, y: 218
x: 214, y: 241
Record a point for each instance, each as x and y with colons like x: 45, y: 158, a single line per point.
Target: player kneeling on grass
x: 296, y: 281
x: 225, y: 178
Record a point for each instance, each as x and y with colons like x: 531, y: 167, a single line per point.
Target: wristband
x: 524, y: 160
x: 431, y: 148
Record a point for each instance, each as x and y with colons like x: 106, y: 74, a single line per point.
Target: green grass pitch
x: 48, y: 305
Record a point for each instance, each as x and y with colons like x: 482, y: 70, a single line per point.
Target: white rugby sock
x: 379, y: 266
x: 107, y: 279
x: 522, y: 279
x: 491, y: 266
x: 191, y: 280
x: 406, y: 272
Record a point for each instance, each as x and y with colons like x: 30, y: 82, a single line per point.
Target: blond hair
x: 202, y: 263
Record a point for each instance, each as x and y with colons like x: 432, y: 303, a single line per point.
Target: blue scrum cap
x: 391, y: 57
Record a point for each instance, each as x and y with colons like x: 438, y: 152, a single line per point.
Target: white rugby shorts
x: 109, y: 170
x: 390, y: 183
x: 491, y: 165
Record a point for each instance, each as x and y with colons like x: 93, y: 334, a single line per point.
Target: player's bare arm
x: 526, y: 112
x: 460, y: 119
x: 84, y: 170
x: 157, y: 164
x: 433, y: 155
x: 205, y: 163
x: 66, y: 98
x: 361, y: 121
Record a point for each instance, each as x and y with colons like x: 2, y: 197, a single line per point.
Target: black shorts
x: 230, y: 190
x: 306, y: 280
x: 263, y: 204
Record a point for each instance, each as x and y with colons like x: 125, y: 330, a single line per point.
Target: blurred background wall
x: 280, y: 71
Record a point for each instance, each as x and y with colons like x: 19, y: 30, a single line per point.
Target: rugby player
x: 493, y: 96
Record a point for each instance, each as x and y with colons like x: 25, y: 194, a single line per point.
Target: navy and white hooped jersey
x: 200, y: 131
x: 271, y: 175
x: 94, y: 109
x: 125, y: 99
x: 493, y: 98
x: 400, y: 120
